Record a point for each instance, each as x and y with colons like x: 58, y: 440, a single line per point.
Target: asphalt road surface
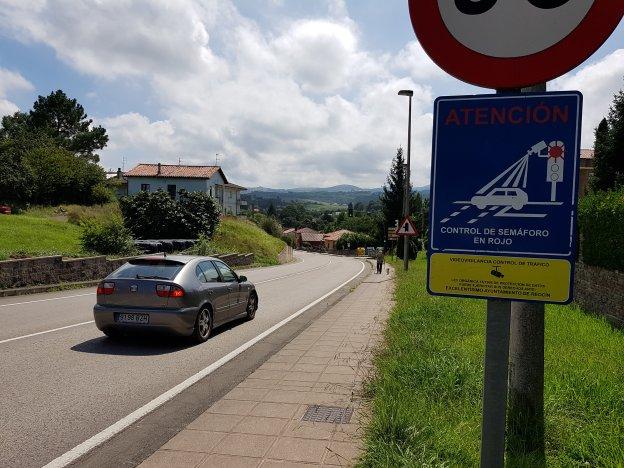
x: 62, y: 381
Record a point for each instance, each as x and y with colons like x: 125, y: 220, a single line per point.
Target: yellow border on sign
x: 516, y: 278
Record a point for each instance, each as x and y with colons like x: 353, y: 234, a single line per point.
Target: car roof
x: 176, y: 258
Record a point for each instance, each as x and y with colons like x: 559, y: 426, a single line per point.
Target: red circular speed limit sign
x: 512, y: 43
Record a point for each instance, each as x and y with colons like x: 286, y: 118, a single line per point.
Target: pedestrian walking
x: 380, y: 261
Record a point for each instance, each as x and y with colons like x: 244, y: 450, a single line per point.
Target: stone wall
x: 600, y: 291
x: 55, y: 270
x: 286, y: 255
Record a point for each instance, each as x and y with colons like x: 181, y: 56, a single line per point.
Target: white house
x: 173, y: 178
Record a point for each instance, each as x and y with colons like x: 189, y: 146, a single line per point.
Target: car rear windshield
x: 143, y: 268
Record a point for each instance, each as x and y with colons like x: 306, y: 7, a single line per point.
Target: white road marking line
x: 483, y: 214
x: 293, y: 274
x: 46, y: 331
x: 454, y: 214
x: 466, y: 207
x: 123, y: 423
x: 44, y: 300
x: 445, y: 220
x: 473, y: 220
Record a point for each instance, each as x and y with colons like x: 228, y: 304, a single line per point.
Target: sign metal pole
x: 407, y: 192
x: 495, y: 383
x: 526, y: 371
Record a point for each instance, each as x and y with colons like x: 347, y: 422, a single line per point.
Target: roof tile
x: 170, y: 170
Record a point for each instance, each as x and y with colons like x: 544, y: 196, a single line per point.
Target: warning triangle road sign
x: 407, y: 228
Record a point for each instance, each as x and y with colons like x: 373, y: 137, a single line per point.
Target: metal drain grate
x: 328, y: 414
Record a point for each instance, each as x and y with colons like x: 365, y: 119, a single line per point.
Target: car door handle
x: 230, y: 289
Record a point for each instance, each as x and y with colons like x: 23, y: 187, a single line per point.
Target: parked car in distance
x: 182, y: 294
x: 505, y: 196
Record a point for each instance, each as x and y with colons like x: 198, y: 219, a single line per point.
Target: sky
x: 288, y: 93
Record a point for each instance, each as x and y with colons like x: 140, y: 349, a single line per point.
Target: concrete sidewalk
x: 259, y: 422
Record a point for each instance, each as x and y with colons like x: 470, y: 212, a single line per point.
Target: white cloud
x: 319, y: 54
x: 301, y: 105
x: 133, y: 135
x: 117, y: 37
x: 413, y: 59
x: 7, y: 107
x: 598, y: 82
x: 11, y: 81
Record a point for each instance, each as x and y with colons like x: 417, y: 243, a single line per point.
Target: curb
x: 47, y: 288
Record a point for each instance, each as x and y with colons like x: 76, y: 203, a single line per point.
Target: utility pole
x: 406, y: 190
x: 526, y: 371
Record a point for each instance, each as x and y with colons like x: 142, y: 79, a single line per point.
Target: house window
x: 145, y: 187
x: 172, y: 190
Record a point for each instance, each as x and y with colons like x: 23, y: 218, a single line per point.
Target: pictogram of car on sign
x: 514, y: 197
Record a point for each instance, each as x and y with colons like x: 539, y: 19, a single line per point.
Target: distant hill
x: 335, y: 188
x: 341, y: 195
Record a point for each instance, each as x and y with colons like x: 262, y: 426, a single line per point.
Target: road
x: 63, y: 381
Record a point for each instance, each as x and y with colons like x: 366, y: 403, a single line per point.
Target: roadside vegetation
x: 241, y: 236
x: 30, y: 236
x: 426, y: 394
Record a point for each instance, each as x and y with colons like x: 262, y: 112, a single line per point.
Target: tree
x: 271, y: 210
x: 60, y: 177
x: 15, y: 127
x: 16, y: 178
x: 295, y: 215
x: 416, y: 209
x: 392, y: 196
x: 603, y: 177
x: 155, y: 215
x: 616, y: 133
x: 65, y: 120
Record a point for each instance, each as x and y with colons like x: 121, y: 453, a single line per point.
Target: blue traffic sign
x: 504, y: 178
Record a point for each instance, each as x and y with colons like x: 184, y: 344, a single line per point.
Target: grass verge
x: 35, y: 236
x: 242, y: 236
x: 426, y: 395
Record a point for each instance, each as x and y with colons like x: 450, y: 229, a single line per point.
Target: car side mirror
x: 242, y: 279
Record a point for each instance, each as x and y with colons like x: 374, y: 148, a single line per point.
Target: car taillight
x: 106, y: 288
x: 168, y: 290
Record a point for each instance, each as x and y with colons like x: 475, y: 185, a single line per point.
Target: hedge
x: 601, y: 224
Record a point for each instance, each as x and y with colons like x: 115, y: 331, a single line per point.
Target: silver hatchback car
x: 186, y: 295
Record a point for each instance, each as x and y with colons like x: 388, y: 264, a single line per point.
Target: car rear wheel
x: 252, y: 305
x: 203, y: 325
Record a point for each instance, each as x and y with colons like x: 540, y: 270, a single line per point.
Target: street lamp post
x: 406, y: 191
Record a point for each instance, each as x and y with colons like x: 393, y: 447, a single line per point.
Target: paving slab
x: 260, y: 421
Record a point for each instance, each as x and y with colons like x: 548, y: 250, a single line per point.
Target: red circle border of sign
x: 508, y: 73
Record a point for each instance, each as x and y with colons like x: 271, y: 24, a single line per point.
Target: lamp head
x: 406, y: 92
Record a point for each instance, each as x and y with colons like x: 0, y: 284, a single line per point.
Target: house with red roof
x: 172, y: 178
x: 330, y: 239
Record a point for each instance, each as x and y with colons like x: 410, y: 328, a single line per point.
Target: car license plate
x: 132, y: 318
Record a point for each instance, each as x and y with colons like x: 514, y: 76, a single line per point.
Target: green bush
x: 290, y: 240
x: 102, y: 194
x: 355, y: 240
x: 60, y: 177
x: 202, y: 247
x: 269, y: 224
x: 156, y: 215
x: 77, y: 214
x: 109, y: 237
x: 601, y: 224
x: 272, y: 226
